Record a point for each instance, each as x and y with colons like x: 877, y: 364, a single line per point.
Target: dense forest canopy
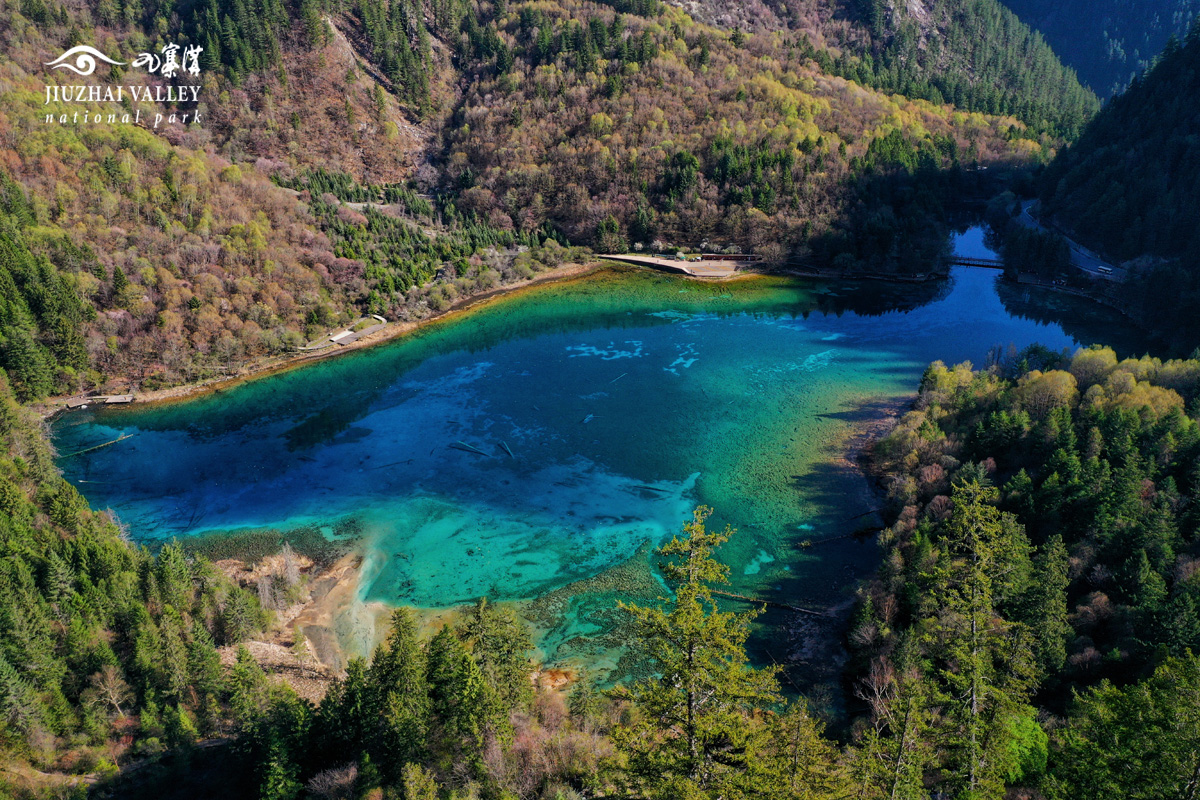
x: 1130, y: 188
x: 1108, y: 42
x: 977, y: 55
x: 98, y: 638
x: 1036, y: 595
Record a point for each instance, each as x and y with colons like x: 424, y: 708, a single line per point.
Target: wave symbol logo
x: 85, y: 60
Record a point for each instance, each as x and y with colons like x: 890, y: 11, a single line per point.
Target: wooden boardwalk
x: 705, y: 268
x: 100, y: 400
x: 347, y: 335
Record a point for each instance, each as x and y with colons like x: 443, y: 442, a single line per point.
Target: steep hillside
x: 977, y: 55
x: 183, y: 260
x: 169, y: 253
x: 484, y: 129
x: 105, y: 651
x: 1107, y: 42
x: 1130, y: 187
x: 625, y: 129
x: 973, y: 53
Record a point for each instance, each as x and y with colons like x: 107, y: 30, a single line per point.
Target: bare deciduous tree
x: 334, y: 784
x: 291, y: 566
x: 266, y: 592
x: 108, y: 688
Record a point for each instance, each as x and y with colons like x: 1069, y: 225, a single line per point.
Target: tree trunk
x: 900, y: 752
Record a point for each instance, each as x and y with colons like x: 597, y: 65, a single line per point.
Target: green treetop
x: 693, y: 736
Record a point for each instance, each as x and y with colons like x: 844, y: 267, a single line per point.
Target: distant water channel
x: 537, y: 448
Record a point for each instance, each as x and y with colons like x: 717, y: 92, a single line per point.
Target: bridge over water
x: 987, y: 263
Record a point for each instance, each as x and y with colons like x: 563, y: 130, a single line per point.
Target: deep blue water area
x: 538, y: 447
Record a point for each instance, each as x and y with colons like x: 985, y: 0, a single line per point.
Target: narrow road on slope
x: 1081, y: 257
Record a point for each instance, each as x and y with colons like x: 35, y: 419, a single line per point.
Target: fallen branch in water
x: 797, y: 609
x: 859, y: 534
x: 97, y: 447
x: 860, y: 516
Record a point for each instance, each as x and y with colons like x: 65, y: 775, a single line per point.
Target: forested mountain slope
x: 98, y: 638
x: 1107, y: 42
x: 176, y: 258
x: 620, y: 128
x: 1041, y: 566
x: 975, y: 54
x: 172, y: 253
x: 1130, y: 187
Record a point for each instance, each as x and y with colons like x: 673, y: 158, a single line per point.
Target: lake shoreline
x: 394, y: 330
x: 52, y: 406
x: 769, y: 337
x: 274, y: 365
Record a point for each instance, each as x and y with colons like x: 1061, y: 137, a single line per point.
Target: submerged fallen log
x: 97, y: 447
x: 392, y: 464
x: 862, y: 533
x: 772, y: 603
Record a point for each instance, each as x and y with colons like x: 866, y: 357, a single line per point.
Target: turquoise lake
x: 538, y: 447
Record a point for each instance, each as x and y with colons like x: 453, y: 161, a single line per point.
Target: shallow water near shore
x: 538, y: 448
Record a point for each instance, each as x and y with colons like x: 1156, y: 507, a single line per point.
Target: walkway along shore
x: 376, y: 335
x: 275, y: 364
x: 380, y: 334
